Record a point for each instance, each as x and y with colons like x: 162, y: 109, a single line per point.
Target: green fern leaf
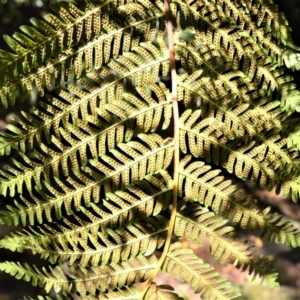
x: 43, y: 298
x: 132, y: 293
x: 197, y: 223
x: 163, y: 292
x: 87, y: 281
x: 198, y: 183
x: 90, y: 23
x: 84, y: 102
x: 238, y: 151
x: 113, y: 246
x: 202, y: 278
x: 141, y: 100
x: 149, y: 189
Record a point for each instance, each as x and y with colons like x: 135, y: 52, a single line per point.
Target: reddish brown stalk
x: 169, y: 27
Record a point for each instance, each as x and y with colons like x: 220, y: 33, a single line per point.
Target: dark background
x: 13, y: 14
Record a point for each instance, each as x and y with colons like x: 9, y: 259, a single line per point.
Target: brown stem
x: 169, y: 26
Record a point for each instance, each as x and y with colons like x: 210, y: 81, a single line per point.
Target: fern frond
x: 292, y: 187
x: 164, y: 292
x: 90, y: 166
x: 48, y: 38
x: 83, y: 281
x: 197, y: 223
x: 151, y: 188
x: 207, y: 15
x: 117, y: 126
x: 269, y: 19
x: 113, y: 246
x: 291, y: 104
x: 238, y: 33
x: 259, y: 112
x: 54, y: 38
x: 53, y: 58
x: 226, y: 91
x: 268, y: 164
x: 244, y: 78
x: 126, y: 293
x: 139, y: 201
x: 264, y: 22
x: 138, y: 161
x: 44, y: 298
x: 216, y: 25
x: 98, y: 89
x: 260, y: 22
x: 155, y: 292
x: 202, y: 278
x: 198, y: 183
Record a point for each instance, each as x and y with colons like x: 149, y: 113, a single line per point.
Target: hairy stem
x: 176, y: 145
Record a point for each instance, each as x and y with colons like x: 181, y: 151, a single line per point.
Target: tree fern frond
x: 266, y: 21
x: 127, y: 293
x: 138, y: 201
x: 240, y: 155
x: 164, y: 292
x: 129, y: 86
x: 48, y: 38
x: 83, y: 281
x: 268, y: 17
x: 96, y: 25
x: 220, y: 102
x: 251, y: 75
x: 108, y: 88
x: 44, y: 298
x: 139, y: 163
x: 198, y: 183
x: 292, y: 187
x: 291, y: 103
x: 244, y: 77
x: 223, y: 17
x: 139, y: 196
x: 185, y: 265
x: 226, y: 91
x: 196, y: 223
x: 117, y: 126
x: 218, y: 22
x: 129, y: 241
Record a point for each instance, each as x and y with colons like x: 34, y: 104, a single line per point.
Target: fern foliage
x: 144, y: 105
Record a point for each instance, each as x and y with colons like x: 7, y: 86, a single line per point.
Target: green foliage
x: 96, y: 180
